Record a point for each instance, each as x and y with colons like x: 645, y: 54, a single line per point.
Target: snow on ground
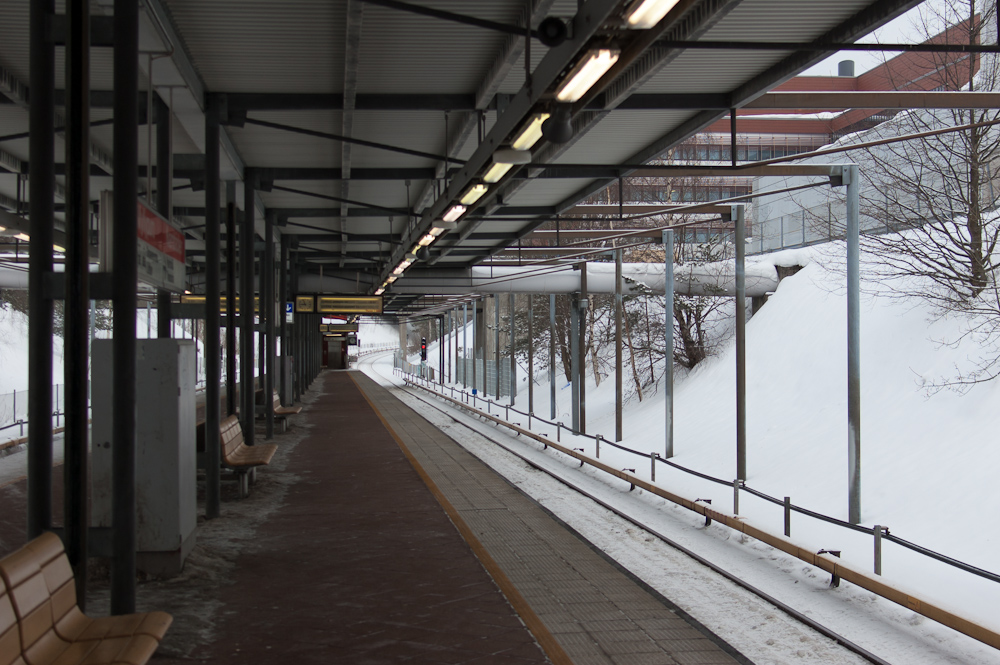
x: 928, y: 462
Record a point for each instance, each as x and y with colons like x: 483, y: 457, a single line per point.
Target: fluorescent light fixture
x: 380, y: 290
x: 454, y: 213
x: 586, y: 73
x: 645, y: 14
x: 531, y: 132
x: 2, y: 229
x: 440, y: 227
x: 58, y: 248
x: 496, y: 172
x: 22, y: 236
x: 473, y: 194
x: 391, y: 278
x: 427, y: 239
x: 406, y: 263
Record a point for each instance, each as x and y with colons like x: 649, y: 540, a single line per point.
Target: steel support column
x: 852, y: 180
x: 552, y: 356
x: 582, y: 348
x: 668, y: 343
x: 126, y: 186
x: 496, y: 345
x: 77, y: 278
x: 574, y: 352
x: 164, y: 191
x: 41, y: 210
x: 283, y: 298
x: 618, y: 344
x: 231, y: 392
x: 513, y: 360
x: 465, y: 344
x: 531, y: 353
x: 476, y: 342
x: 247, y: 312
x: 213, y: 292
x: 267, y: 309
x: 741, y: 345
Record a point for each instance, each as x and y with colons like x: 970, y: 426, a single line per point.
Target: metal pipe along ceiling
x: 713, y: 279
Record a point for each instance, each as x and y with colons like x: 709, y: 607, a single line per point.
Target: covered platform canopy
x: 360, y: 123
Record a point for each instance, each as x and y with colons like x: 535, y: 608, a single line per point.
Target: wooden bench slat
x: 39, y: 591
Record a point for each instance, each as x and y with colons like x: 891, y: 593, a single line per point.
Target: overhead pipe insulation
x: 713, y: 279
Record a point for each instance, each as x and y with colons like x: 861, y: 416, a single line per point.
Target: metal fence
x: 880, y: 533
x: 486, y: 381
x: 14, y: 411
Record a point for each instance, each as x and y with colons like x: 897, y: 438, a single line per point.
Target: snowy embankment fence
x: 14, y: 414
x: 827, y: 560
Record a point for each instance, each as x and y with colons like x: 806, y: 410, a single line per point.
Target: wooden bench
x: 41, y: 623
x: 239, y: 457
x: 281, y: 413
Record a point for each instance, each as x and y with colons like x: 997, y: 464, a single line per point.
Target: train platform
x: 375, y: 538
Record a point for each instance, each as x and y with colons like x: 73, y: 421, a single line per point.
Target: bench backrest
x: 42, y: 593
x: 276, y: 401
x: 231, y: 435
x: 10, y: 636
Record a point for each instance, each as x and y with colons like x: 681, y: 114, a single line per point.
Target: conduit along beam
x: 826, y: 562
x: 713, y: 279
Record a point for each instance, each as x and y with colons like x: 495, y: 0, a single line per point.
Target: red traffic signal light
x: 423, y: 348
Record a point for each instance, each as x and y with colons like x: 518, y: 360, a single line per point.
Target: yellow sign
x: 349, y: 304
x: 339, y: 327
x: 223, y: 300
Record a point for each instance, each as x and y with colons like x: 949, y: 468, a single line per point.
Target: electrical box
x: 166, y: 472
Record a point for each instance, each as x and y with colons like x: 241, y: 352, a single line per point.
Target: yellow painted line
x: 545, y: 639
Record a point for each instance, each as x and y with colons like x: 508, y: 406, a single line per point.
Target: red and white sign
x: 161, y: 251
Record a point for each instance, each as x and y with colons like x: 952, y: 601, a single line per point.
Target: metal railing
x: 879, y: 532
x: 14, y: 411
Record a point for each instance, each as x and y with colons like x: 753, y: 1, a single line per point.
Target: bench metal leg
x: 244, y: 483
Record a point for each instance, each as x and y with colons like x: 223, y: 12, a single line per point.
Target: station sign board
x: 160, y: 247
x: 338, y: 327
x: 349, y: 304
x: 223, y: 302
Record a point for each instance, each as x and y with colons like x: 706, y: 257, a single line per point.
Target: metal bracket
x: 708, y: 520
x: 834, y: 579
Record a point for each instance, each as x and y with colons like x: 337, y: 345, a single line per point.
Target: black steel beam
x: 275, y: 101
x: 267, y: 318
x: 314, y: 173
x: 246, y: 312
x: 873, y: 16
x: 41, y: 187
x: 126, y: 158
x: 213, y: 370
x: 76, y: 333
x: 231, y: 288
x: 101, y: 32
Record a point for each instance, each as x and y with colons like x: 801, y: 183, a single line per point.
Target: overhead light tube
x: 645, y: 14
x: 473, y: 194
x: 496, y: 172
x: 23, y: 236
x: 440, y: 226
x: 586, y: 73
x: 426, y: 240
x: 454, y: 213
x: 530, y: 133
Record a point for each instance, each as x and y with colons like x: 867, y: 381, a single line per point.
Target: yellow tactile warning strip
x: 545, y: 638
